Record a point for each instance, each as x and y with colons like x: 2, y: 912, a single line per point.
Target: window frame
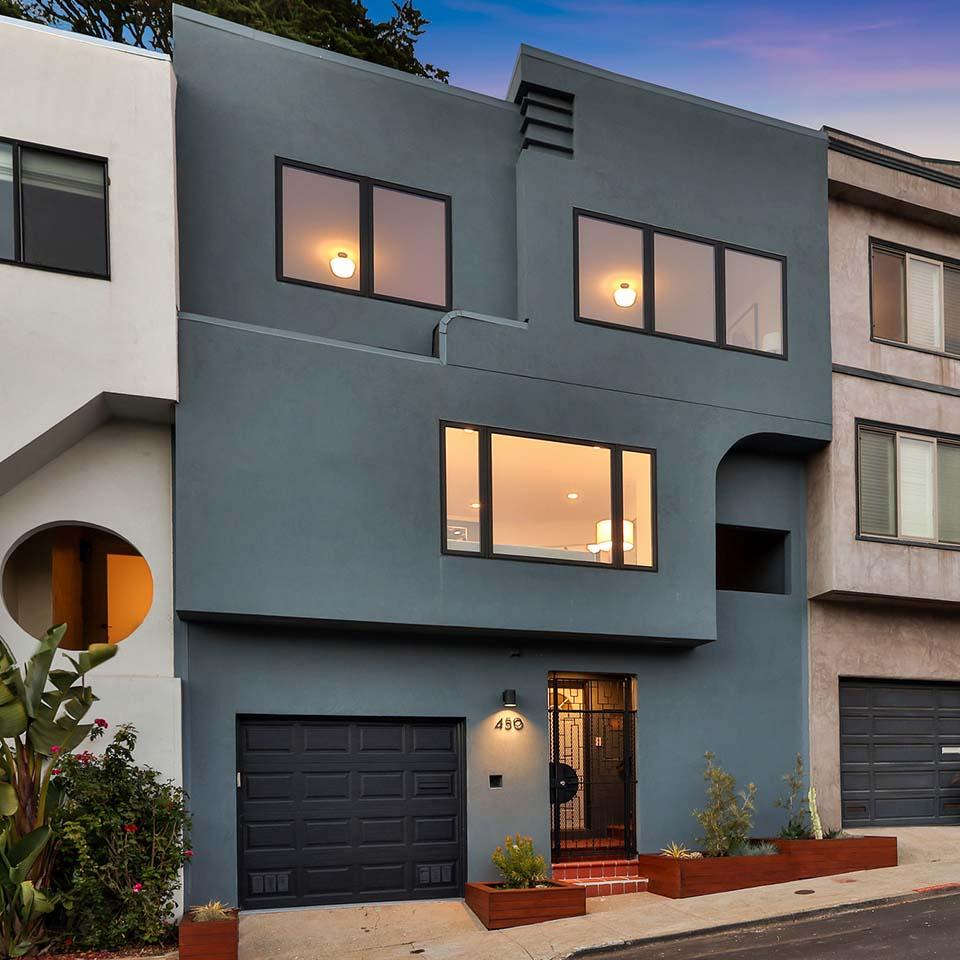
x: 17, y: 260
x: 485, y: 464
x: 908, y: 433
x: 890, y: 246
x: 367, y: 267
x: 648, y: 326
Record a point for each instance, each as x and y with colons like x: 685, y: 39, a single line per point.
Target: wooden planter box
x: 824, y: 858
x: 692, y: 878
x: 498, y: 907
x: 213, y: 940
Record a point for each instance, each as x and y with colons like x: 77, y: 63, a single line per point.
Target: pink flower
x: 85, y: 757
x: 56, y: 771
x: 130, y: 827
x: 137, y: 887
x: 188, y: 853
x: 100, y: 722
x: 54, y: 749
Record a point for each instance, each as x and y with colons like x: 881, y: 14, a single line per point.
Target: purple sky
x: 888, y: 71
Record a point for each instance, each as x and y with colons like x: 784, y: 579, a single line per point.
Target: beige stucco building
x: 884, y: 497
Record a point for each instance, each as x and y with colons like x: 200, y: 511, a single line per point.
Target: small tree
x: 519, y: 863
x: 728, y: 816
x: 795, y: 803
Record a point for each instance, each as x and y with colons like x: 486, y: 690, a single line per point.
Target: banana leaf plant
x: 41, y: 714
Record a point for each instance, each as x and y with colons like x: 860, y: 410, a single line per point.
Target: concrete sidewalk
x: 447, y: 930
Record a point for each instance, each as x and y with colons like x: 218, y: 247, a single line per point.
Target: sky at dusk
x: 887, y: 71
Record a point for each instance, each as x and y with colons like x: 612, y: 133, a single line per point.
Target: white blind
x: 925, y: 304
x: 948, y: 492
x: 951, y: 310
x: 916, y: 488
x: 877, y: 498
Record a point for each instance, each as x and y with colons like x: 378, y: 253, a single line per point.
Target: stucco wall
x: 117, y: 478
x: 838, y: 561
x: 852, y: 640
x: 68, y: 339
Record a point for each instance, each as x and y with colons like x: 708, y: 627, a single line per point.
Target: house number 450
x: 509, y: 723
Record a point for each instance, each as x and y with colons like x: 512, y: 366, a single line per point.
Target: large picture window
x: 546, y: 498
x: 343, y: 232
x: 915, y: 299
x: 909, y: 486
x: 53, y: 210
x: 638, y: 277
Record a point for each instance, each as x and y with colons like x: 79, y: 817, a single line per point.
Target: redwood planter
x: 498, y: 907
x: 213, y: 940
x: 674, y: 878
x: 824, y: 858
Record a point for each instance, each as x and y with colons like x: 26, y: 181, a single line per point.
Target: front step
x: 603, y: 878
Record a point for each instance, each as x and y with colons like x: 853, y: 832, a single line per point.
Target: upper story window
x: 909, y: 485
x: 915, y: 299
x: 349, y: 233
x: 53, y: 210
x: 638, y: 277
x: 529, y: 497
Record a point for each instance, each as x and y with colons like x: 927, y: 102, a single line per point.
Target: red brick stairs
x: 602, y: 878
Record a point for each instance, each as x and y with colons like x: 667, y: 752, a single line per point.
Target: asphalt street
x: 921, y: 929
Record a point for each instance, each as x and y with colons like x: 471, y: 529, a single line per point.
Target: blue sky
x: 889, y: 71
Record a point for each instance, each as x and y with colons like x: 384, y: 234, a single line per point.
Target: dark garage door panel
x: 899, y: 752
x: 347, y: 811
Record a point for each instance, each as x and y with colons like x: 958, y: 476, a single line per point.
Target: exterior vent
x: 547, y: 122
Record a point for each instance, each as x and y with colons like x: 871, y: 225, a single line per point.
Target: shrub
x: 759, y: 848
x: 678, y: 851
x: 728, y: 816
x: 797, y: 826
x: 519, y: 863
x: 210, y: 912
x: 123, y: 839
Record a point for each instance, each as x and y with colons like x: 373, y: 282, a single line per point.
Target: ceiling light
x: 342, y: 266
x: 605, y: 536
x: 474, y: 506
x: 625, y: 295
x: 573, y: 496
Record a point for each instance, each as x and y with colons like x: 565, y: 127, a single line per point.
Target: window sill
x: 583, y: 564
x: 61, y: 270
x: 898, y: 541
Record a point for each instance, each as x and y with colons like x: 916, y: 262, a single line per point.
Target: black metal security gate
x: 593, y: 724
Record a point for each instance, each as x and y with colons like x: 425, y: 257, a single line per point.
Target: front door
x: 592, y: 720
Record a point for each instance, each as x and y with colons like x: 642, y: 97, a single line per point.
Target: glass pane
x: 7, y: 247
x: 951, y: 310
x: 638, y: 516
x: 889, y: 300
x: 916, y: 488
x: 948, y: 492
x: 877, y: 486
x: 409, y: 246
x: 684, y: 288
x: 462, y: 488
x: 610, y: 255
x: 64, y: 212
x: 551, y: 499
x: 321, y: 228
x: 925, y: 304
x: 754, y: 293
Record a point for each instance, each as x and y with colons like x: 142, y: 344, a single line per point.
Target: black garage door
x: 349, y: 810
x: 899, y: 752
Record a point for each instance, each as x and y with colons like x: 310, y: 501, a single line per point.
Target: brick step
x: 613, y: 886
x: 596, y: 870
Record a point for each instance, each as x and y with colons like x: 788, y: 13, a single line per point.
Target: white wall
x: 118, y: 478
x: 68, y: 339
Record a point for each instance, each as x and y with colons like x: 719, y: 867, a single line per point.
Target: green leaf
x: 24, y: 853
x: 9, y: 804
x: 94, y: 655
x: 13, y: 719
x: 63, y: 679
x: 38, y: 667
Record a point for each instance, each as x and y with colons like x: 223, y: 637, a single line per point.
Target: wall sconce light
x: 625, y: 295
x: 342, y: 266
x: 509, y: 698
x: 605, y: 536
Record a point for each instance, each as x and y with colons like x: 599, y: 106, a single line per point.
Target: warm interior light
x: 625, y: 295
x: 605, y: 536
x: 573, y: 496
x: 342, y: 266
x: 474, y: 506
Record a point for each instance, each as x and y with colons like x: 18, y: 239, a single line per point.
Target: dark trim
x: 650, y: 231
x: 365, y: 226
x: 525, y: 87
x: 18, y: 260
x: 886, y: 146
x: 546, y: 145
x: 528, y: 101
x: 895, y: 380
x: 486, y: 551
x: 892, y: 163
x: 550, y: 124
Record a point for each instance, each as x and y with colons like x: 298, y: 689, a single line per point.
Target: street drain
x: 803, y: 893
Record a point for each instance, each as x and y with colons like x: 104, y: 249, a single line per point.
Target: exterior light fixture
x: 625, y: 295
x: 342, y: 266
x: 509, y: 698
x: 605, y: 536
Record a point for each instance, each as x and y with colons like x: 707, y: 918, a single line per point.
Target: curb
x: 922, y: 893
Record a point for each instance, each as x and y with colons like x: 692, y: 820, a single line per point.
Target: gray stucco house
x: 445, y: 577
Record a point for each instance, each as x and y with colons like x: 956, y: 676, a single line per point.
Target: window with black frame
x: 53, y: 210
